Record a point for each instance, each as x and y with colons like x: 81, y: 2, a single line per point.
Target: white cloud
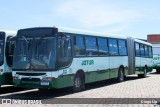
x: 95, y: 13
x: 118, y: 29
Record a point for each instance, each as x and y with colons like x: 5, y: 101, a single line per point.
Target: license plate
x: 44, y: 83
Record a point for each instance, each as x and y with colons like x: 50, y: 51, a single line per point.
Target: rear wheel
x: 144, y: 73
x: 120, y: 75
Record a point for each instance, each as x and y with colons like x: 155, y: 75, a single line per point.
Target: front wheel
x: 78, y: 83
x: 120, y: 75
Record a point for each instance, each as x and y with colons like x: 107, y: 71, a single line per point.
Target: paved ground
x: 133, y: 87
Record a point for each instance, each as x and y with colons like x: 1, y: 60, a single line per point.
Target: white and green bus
x: 156, y: 57
x: 7, y: 42
x: 50, y: 57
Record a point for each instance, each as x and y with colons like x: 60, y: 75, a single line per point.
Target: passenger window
x: 79, y: 46
x: 113, y: 48
x: 150, y: 52
x: 10, y: 50
x: 138, y: 53
x: 103, y: 46
x: 91, y: 46
x: 122, y: 47
x: 142, y: 50
x: 146, y: 51
x: 64, y: 50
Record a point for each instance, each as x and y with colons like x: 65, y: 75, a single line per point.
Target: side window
x: 91, y: 46
x: 137, y: 49
x: 142, y: 50
x: 79, y: 46
x: 146, y: 51
x: 150, y: 52
x: 113, y: 48
x: 103, y: 46
x: 10, y: 44
x: 64, y: 51
x: 122, y: 47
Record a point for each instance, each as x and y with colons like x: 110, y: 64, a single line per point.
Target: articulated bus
x: 50, y: 57
x: 156, y: 57
x: 7, y: 42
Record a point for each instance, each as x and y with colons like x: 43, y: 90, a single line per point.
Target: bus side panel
x: 137, y: 65
x: 95, y: 68
x: 63, y: 81
x: 102, y: 71
x: 148, y: 63
x: 141, y: 63
x: 115, y: 63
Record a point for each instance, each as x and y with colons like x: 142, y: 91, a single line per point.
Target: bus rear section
x: 7, y: 41
x: 140, y: 60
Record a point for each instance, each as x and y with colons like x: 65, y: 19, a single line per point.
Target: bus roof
x: 77, y: 31
x: 141, y: 41
x: 85, y: 32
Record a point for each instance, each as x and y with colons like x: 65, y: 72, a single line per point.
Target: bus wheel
x: 120, y: 75
x: 145, y: 72
x: 78, y: 83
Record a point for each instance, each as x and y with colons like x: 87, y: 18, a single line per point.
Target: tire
x: 120, y: 75
x: 78, y: 83
x: 145, y: 72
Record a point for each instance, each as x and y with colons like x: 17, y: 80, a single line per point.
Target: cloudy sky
x: 135, y: 18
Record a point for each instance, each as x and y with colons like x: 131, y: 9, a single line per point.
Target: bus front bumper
x: 59, y: 82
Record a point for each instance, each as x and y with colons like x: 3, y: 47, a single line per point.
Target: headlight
x: 16, y: 77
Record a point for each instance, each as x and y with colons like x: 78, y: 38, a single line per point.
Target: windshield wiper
x: 29, y: 44
x: 39, y: 41
x: 25, y: 39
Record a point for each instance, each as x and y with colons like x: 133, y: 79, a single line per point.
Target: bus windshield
x: 1, y: 49
x: 35, y: 53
